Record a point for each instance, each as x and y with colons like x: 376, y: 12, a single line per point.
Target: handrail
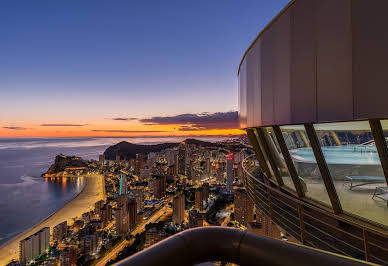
x: 270, y: 189
x: 216, y: 243
x: 315, y: 208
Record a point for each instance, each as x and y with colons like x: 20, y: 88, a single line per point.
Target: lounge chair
x: 364, y: 180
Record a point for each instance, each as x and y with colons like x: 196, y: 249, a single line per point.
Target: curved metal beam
x: 204, y: 244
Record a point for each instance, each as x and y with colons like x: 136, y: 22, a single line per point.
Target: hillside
x: 62, y: 162
x: 128, y: 150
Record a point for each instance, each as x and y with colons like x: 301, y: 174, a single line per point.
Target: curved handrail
x: 315, y: 208
x: 215, y: 243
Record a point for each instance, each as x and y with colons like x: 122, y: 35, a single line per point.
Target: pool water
x: 349, y: 154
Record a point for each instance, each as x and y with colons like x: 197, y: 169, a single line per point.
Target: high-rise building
x: 220, y: 176
x: 101, y: 159
x: 132, y: 211
x: 229, y: 172
x: 121, y: 217
x: 159, y: 184
x: 34, y: 245
x: 60, y: 231
x: 196, y: 219
x: 206, y: 192
x: 178, y: 209
x: 117, y: 158
x: 140, y: 162
x: 88, y: 245
x: 181, y: 160
x: 106, y: 214
x: 123, y: 184
x: 25, y: 250
x: 243, y: 207
x: 199, y: 201
x: 68, y: 257
x: 144, y: 173
x: 97, y: 207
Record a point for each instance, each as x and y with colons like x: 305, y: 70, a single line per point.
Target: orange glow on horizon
x: 157, y: 131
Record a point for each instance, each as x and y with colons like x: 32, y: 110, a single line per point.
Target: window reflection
x: 278, y: 157
x: 353, y: 161
x: 272, y: 176
x: 306, y: 166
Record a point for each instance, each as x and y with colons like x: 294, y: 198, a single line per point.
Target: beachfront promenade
x: 94, y: 190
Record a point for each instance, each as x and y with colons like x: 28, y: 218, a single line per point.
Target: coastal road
x: 139, y: 229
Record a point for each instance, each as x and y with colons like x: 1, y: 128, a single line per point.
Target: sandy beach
x: 94, y: 190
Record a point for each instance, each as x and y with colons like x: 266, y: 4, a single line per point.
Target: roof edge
x: 264, y: 30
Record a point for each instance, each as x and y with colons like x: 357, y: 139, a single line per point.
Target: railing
x: 203, y: 244
x: 310, y: 224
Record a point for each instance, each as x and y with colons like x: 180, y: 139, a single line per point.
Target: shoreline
x: 92, y: 191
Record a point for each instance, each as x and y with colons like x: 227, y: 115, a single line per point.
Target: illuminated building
x: 97, y: 207
x: 34, y: 245
x: 121, y: 219
x: 68, y: 257
x: 229, y: 172
x: 60, y: 231
x: 101, y: 159
x: 178, y: 209
x: 132, y: 211
x: 123, y: 184
x: 159, y: 186
x: 243, y: 207
x: 199, y: 199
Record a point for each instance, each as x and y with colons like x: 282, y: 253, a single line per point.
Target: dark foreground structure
x: 313, y: 94
x: 204, y: 244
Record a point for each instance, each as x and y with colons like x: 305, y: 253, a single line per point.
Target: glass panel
x: 353, y: 161
x: 278, y: 157
x: 306, y: 166
x: 272, y: 176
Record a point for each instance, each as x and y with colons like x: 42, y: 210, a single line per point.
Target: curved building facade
x: 313, y: 98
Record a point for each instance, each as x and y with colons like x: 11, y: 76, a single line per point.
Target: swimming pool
x: 349, y: 154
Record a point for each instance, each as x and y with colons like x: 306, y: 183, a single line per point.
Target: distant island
x: 128, y: 150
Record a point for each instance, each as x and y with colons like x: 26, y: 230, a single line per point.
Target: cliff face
x: 62, y: 162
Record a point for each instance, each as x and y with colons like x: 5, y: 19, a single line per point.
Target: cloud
x: 127, y: 131
x: 203, y: 121
x: 63, y: 125
x: 15, y: 128
x: 123, y: 119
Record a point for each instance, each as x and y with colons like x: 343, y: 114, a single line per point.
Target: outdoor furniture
x: 356, y: 181
x: 380, y: 191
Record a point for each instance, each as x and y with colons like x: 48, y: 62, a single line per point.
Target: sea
x: 25, y: 197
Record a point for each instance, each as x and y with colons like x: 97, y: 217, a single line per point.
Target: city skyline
x: 93, y: 69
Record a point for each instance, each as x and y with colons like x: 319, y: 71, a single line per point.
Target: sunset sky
x: 124, y: 68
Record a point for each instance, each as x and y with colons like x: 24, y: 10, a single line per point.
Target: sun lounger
x: 356, y: 181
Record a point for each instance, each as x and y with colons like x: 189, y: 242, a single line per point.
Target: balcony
x: 206, y: 244
x: 313, y: 224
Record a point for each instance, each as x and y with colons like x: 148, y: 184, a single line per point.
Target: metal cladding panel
x: 303, y: 63
x: 267, y: 78
x: 370, y: 57
x: 243, y: 95
x: 334, y: 60
x: 254, y: 84
x: 281, y: 69
x: 319, y: 61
